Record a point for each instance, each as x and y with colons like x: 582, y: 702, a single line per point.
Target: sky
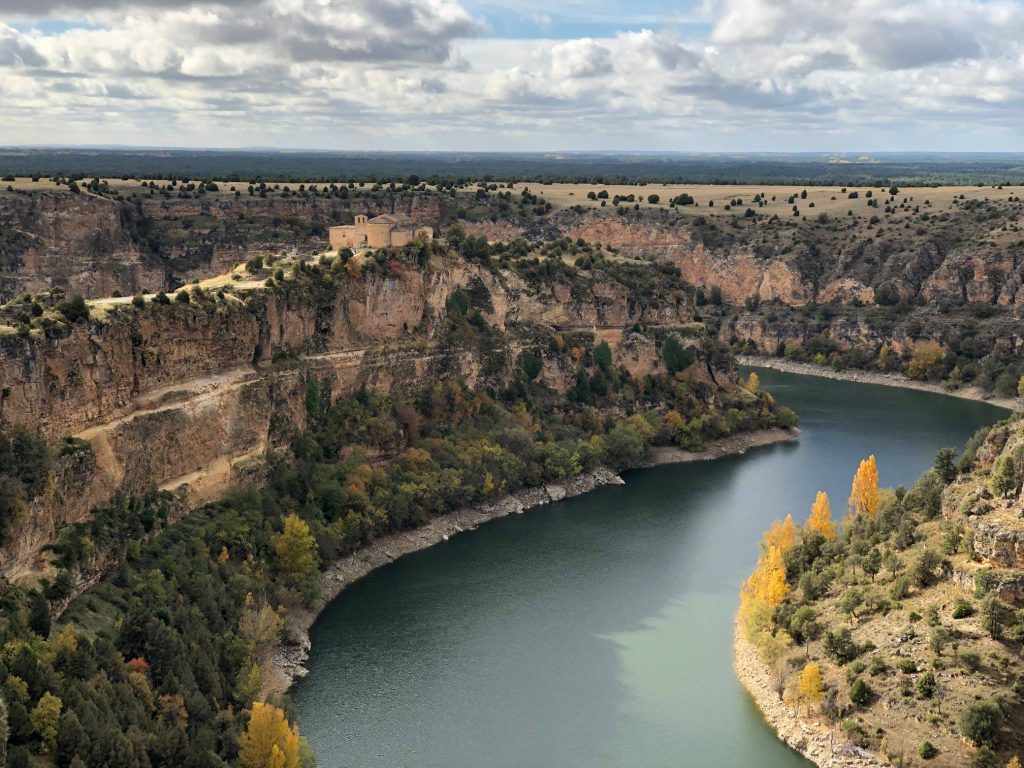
x: 554, y: 75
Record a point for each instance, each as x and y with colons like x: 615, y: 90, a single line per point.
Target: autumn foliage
x: 864, y: 494
x: 269, y: 741
x: 820, y: 520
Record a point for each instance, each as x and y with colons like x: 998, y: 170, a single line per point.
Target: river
x: 596, y: 632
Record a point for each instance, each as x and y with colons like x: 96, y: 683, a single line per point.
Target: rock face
x: 961, y: 274
x: 192, y: 397
x: 95, y: 245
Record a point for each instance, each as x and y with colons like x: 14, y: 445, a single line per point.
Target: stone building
x: 378, y: 232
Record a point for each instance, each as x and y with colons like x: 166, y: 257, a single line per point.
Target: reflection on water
x: 596, y: 631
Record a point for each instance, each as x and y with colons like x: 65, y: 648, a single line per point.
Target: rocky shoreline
x: 815, y: 739
x: 287, y: 663
x: 875, y: 377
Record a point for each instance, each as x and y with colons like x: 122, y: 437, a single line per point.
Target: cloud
x: 423, y: 73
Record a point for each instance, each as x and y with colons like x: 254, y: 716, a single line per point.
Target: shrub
x: 860, y: 692
x: 1004, y: 477
x: 927, y: 750
x: 962, y: 608
x: 74, y: 309
x: 840, y: 647
x: 981, y: 722
x: 926, y: 686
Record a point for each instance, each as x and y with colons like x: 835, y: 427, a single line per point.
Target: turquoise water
x: 597, y: 631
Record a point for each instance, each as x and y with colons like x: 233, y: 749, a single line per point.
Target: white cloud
x: 773, y: 74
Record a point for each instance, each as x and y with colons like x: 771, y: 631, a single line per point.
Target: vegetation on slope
x: 161, y: 663
x: 895, y: 627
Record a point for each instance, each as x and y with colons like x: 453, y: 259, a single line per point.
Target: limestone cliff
x: 195, y: 396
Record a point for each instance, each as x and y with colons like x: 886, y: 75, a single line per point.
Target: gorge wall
x: 96, y: 245
x: 195, y: 397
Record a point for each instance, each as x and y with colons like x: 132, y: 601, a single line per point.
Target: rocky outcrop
x: 193, y: 397
x: 96, y: 245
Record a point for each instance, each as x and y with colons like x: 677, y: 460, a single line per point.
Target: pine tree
x: 269, y: 741
x: 864, y: 493
x: 39, y: 615
x: 820, y: 520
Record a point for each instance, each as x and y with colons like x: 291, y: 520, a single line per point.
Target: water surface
x: 596, y: 632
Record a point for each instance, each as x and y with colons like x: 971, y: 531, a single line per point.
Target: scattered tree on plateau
x: 820, y: 520
x: 811, y: 687
x: 864, y: 494
x: 269, y: 742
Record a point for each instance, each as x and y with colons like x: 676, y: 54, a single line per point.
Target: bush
x: 962, y: 608
x: 926, y: 686
x: 839, y: 646
x: 74, y: 309
x: 981, y: 722
x: 860, y: 692
x: 927, y: 750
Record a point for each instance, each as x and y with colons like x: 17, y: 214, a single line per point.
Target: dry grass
x: 831, y: 200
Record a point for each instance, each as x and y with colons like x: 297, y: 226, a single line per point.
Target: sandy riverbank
x: 288, y: 661
x: 883, y: 379
x: 814, y: 738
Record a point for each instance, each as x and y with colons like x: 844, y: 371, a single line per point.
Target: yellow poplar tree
x: 269, y: 742
x: 768, y: 581
x: 1014, y: 762
x: 864, y: 494
x: 811, y: 688
x: 820, y: 520
x: 296, y: 549
x: 781, y: 535
x: 753, y: 383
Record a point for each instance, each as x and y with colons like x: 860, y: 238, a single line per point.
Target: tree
x: 295, y: 548
x: 926, y: 686
x: 1004, y: 477
x: 860, y: 692
x: 531, y: 365
x: 72, y: 739
x: 676, y: 356
x: 268, y: 741
x: 74, y: 309
x: 458, y: 302
x: 46, y: 721
x: 993, y: 617
x: 781, y: 535
x: 753, y: 383
x: 945, y: 465
x: 653, y: 199
x: 1014, y: 762
x: 39, y: 616
x: 314, y: 403
x: 603, y: 356
x: 864, y: 493
x: 981, y: 722
x: 820, y: 520
x: 811, y: 687
x: 926, y: 361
